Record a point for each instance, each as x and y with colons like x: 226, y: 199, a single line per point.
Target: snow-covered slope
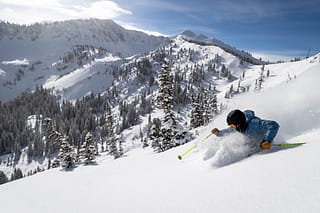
x: 213, y: 178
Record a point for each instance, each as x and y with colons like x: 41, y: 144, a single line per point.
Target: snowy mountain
x: 30, y: 55
x: 42, y: 41
x: 78, y: 51
x: 216, y: 176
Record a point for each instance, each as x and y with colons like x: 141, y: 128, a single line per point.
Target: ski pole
x: 191, y: 148
x: 186, y: 152
x: 289, y: 144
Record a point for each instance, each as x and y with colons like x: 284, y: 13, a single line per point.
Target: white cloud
x: 101, y: 9
x: 17, y: 62
x: 26, y: 12
x: 34, y: 3
x: 133, y: 27
x: 2, y: 73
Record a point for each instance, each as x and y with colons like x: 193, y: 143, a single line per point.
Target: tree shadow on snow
x: 68, y: 169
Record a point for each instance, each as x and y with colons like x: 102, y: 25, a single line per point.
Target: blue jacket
x: 258, y: 130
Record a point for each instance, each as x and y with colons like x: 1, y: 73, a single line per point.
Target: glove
x: 264, y: 145
x: 215, y: 131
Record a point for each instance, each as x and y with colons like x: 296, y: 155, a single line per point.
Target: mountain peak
x: 191, y: 35
x: 188, y: 33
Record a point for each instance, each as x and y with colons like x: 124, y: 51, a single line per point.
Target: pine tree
x: 197, y: 113
x: 145, y: 142
x: 121, y: 149
x: 165, y: 102
x: 113, y: 149
x: 88, y: 150
x: 52, y: 137
x: 17, y: 174
x: 111, y: 138
x: 66, y: 155
x: 207, y: 111
x: 210, y: 106
x: 214, y: 104
x: 164, y: 97
x: 53, y: 141
x: 154, y: 134
x: 3, y: 178
x: 258, y: 84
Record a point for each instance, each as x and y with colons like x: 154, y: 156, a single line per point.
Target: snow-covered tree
x: 154, y: 134
x: 121, y: 149
x: 145, y: 142
x: 260, y: 80
x: 53, y: 137
x: 213, y: 104
x: 3, y: 178
x: 53, y: 141
x: 112, y: 140
x: 88, y: 150
x: 197, y: 113
x: 165, y: 102
x: 66, y: 155
x: 17, y: 174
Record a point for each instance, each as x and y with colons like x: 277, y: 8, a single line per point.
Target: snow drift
x: 234, y: 147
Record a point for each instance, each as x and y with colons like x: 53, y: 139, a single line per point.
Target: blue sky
x: 273, y: 29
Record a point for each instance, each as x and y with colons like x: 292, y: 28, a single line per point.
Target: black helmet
x: 237, y: 118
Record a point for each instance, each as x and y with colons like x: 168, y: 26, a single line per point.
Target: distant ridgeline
x: 205, y: 41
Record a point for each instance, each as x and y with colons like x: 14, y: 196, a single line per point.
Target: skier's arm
x: 271, y: 129
x: 223, y: 132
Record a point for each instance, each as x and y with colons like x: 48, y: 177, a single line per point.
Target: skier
x: 260, y: 132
